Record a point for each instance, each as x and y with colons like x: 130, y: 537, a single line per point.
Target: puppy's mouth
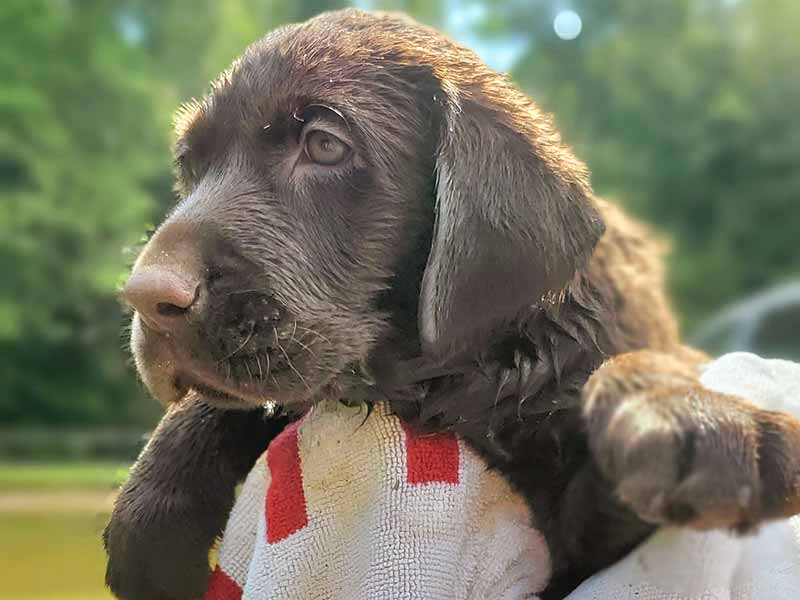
x: 217, y: 396
x: 246, y: 381
x: 245, y: 375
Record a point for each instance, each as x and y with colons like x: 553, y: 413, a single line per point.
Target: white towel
x: 340, y: 508
x: 343, y: 508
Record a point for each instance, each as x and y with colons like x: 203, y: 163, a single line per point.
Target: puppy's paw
x: 155, y: 551
x: 677, y: 453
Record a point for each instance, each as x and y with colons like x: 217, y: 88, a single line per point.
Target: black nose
x: 162, y: 296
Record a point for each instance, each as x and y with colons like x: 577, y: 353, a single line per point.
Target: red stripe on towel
x: 286, y: 502
x: 222, y: 587
x: 431, y: 458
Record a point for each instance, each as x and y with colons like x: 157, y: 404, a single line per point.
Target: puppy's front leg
x: 177, y: 499
x: 678, y: 453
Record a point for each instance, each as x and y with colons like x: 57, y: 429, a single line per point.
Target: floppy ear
x: 514, y: 216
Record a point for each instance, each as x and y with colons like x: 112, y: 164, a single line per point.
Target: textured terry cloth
x: 340, y: 511
x: 676, y: 564
x: 343, y: 508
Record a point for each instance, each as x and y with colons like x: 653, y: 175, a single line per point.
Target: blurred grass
x: 51, y: 520
x: 54, y: 557
x: 49, y: 476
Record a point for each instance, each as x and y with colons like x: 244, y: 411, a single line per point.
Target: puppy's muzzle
x: 205, y: 315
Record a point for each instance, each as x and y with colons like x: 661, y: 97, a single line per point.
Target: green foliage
x: 684, y: 109
x: 82, y: 148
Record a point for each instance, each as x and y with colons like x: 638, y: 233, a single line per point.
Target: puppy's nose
x: 161, y: 296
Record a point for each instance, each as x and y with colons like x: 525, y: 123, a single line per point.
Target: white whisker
x: 242, y: 345
x: 289, y: 362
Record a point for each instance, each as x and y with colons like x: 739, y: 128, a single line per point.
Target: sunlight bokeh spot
x: 567, y: 24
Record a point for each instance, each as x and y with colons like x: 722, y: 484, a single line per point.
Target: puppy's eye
x: 325, y: 148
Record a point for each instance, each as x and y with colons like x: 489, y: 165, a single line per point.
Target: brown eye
x: 324, y: 148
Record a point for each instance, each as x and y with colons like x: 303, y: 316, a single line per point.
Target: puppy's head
x: 352, y: 179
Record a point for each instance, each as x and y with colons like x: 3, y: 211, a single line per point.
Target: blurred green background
x: 685, y: 110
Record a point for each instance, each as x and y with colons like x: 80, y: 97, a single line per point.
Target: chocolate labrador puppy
x: 368, y: 212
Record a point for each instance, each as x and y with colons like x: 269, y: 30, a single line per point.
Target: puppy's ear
x: 514, y: 216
